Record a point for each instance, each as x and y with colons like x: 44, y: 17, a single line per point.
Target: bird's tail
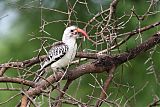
x: 36, y: 79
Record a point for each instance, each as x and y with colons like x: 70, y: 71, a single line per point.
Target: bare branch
x: 130, y: 34
x: 17, y: 80
x: 102, y: 64
x: 105, y: 87
x: 58, y: 102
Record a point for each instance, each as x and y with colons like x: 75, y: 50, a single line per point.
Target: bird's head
x: 72, y: 32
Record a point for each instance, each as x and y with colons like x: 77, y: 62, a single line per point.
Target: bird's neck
x: 69, y: 41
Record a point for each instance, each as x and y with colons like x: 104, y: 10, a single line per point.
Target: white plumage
x: 63, y: 52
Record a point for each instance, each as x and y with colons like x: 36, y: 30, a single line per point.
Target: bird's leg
x: 55, y: 75
x: 61, y: 69
x: 58, y: 70
x: 55, y: 70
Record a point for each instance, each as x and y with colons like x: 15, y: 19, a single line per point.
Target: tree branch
x: 35, y: 60
x: 104, y: 63
x: 58, y: 101
x: 130, y: 34
x: 105, y: 87
x: 17, y: 80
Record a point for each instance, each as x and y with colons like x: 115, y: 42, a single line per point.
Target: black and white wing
x: 58, y: 50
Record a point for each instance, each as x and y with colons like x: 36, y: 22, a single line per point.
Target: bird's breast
x: 66, y: 59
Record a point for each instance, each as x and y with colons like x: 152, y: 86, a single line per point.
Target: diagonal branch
x: 58, y: 103
x: 130, y: 34
x: 104, y: 63
x: 105, y: 87
x: 139, y: 30
x: 35, y: 60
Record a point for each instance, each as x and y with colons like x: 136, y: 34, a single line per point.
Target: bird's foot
x: 61, y: 70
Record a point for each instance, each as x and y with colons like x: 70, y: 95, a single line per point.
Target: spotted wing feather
x: 58, y: 50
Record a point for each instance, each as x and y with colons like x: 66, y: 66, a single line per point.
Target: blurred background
x: 135, y: 84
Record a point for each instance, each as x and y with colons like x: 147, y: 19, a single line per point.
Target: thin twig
x: 58, y: 103
x: 11, y: 98
x: 98, y: 66
x: 130, y: 34
x: 105, y: 87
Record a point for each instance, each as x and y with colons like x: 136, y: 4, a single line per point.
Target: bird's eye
x: 72, y: 30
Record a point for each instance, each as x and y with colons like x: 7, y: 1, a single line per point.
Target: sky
x: 7, y: 17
